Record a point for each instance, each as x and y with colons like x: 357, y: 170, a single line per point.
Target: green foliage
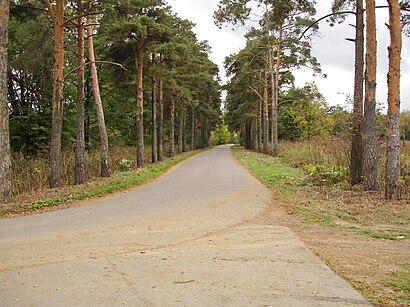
x: 220, y: 135
x: 47, y: 203
x: 320, y: 174
x: 125, y: 164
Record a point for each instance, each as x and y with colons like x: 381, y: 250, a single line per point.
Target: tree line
x: 263, y: 104
x: 79, y: 74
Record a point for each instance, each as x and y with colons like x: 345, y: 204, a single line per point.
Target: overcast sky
x: 335, y: 54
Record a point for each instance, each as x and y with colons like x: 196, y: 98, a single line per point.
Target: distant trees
x: 281, y: 24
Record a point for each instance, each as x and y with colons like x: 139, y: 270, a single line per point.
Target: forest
x: 89, y: 88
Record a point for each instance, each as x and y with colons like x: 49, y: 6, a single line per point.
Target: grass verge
x: 362, y: 237
x: 51, y: 199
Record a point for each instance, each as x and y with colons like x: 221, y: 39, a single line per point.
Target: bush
x: 220, y: 135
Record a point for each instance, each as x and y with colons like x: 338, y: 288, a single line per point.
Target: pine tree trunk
x: 79, y: 175
x: 370, y: 150
x: 58, y: 90
x: 5, y: 156
x: 253, y: 134
x: 140, y: 102
x: 275, y: 91
x: 393, y: 189
x: 154, y: 121
x: 193, y: 130
x: 260, y: 109
x: 160, y: 121
x: 356, y: 154
x: 172, y: 127
x: 265, y: 113
x: 180, y: 131
x: 105, y: 167
x: 184, y: 130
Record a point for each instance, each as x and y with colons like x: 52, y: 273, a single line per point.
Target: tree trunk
x: 79, y: 175
x: 105, y: 167
x: 193, y: 131
x: 172, y: 127
x: 5, y: 158
x: 184, y: 146
x: 260, y: 109
x: 265, y: 113
x: 180, y: 131
x: 160, y: 121
x: 140, y: 102
x: 58, y: 90
x: 393, y: 113
x: 370, y: 153
x: 356, y: 153
x: 275, y: 91
x: 154, y: 121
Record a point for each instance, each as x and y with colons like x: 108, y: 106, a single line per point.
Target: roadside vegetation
x: 361, y: 236
x: 124, y: 177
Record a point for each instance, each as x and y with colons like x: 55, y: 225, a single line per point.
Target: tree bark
x: 370, y: 152
x: 193, y: 130
x: 393, y: 189
x: 5, y: 155
x: 356, y: 153
x: 180, y: 131
x: 140, y: 102
x: 265, y: 113
x: 184, y: 131
x: 79, y: 175
x: 275, y: 92
x: 172, y: 127
x: 105, y: 167
x: 58, y: 91
x: 154, y: 121
x: 160, y: 120
x: 260, y: 109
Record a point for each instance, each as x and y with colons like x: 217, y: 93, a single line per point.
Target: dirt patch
x: 378, y: 268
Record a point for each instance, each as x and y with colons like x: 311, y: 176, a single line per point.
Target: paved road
x: 185, y: 240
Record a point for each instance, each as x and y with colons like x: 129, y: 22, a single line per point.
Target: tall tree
x: 370, y: 149
x: 5, y: 158
x: 393, y: 112
x: 356, y: 153
x: 57, y: 17
x: 154, y: 121
x: 172, y: 126
x: 104, y: 157
x: 160, y: 119
x: 79, y: 173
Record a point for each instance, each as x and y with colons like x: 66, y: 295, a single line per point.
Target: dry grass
x: 30, y: 174
x: 335, y: 152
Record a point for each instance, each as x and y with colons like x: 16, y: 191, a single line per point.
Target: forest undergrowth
x: 361, y: 236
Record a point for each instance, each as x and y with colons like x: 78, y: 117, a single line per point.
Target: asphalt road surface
x: 186, y: 239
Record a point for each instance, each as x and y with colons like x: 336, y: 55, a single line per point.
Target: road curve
x: 186, y: 239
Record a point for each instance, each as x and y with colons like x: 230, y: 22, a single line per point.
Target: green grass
x: 394, y: 234
x: 269, y: 170
x: 119, y: 181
